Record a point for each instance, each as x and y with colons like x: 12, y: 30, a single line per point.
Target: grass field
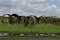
x: 39, y: 28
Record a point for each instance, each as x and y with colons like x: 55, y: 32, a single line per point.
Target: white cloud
x: 54, y: 6
x: 31, y: 7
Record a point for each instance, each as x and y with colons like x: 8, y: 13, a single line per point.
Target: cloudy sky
x: 30, y: 7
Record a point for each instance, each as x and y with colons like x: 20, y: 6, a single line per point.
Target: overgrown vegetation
x: 39, y: 28
x: 42, y: 24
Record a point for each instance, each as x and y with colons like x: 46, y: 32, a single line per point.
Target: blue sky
x: 30, y: 7
x: 54, y: 2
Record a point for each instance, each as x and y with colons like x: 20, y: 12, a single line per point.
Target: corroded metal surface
x: 33, y: 20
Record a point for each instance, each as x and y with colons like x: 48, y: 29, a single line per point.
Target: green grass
x: 39, y: 28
